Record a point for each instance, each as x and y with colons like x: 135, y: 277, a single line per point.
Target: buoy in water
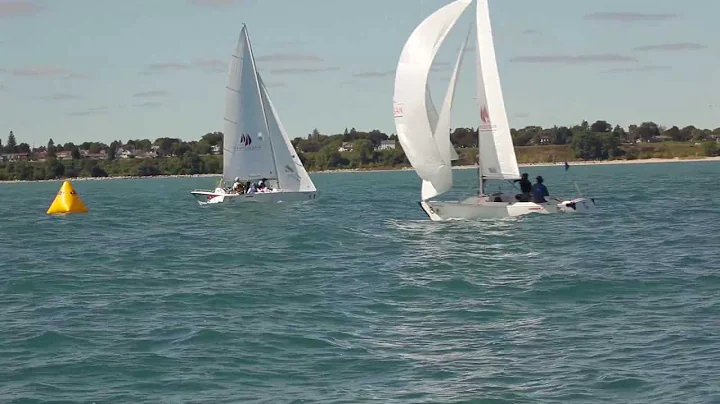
x: 67, y: 201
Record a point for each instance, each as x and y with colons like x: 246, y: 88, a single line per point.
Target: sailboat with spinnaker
x: 425, y: 134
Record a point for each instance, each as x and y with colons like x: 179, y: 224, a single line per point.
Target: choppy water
x: 357, y: 297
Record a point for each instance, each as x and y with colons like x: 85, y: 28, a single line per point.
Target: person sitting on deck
x: 539, y: 191
x: 252, y: 188
x: 525, y: 188
x: 237, y: 186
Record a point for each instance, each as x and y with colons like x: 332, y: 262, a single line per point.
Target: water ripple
x: 357, y: 297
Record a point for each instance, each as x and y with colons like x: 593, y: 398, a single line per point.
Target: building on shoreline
x: 386, y: 145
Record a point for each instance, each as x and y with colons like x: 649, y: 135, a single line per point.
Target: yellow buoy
x: 67, y: 201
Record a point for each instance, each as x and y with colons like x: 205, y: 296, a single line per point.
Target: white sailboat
x: 255, y: 144
x: 425, y: 134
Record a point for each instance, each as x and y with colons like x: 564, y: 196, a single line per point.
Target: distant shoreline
x: 376, y: 170
x: 571, y: 163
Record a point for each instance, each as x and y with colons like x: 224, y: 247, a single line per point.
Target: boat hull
x: 217, y: 198
x: 483, y: 208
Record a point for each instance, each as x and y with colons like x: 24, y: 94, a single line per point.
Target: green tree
x: 97, y: 171
x: 464, y: 137
x: 586, y: 145
x: 648, y: 130
x: 711, y: 149
x: 11, y: 143
x: 23, y: 148
x: 620, y: 133
x: 675, y: 134
x: 610, y: 146
x: 96, y: 148
x: 363, y: 148
x: 584, y: 126
x: 55, y: 168
x: 562, y: 135
x: 51, y: 152
x: 214, y: 138
x: 75, y: 153
x: 601, y: 127
x: 632, y: 133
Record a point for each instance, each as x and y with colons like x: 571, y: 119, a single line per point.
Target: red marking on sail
x: 484, y: 115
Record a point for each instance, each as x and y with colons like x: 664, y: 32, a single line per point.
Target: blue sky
x: 81, y: 70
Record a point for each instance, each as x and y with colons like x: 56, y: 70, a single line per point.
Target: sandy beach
x: 377, y: 170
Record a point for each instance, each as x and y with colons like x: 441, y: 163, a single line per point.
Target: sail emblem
x: 245, y: 139
x: 398, y: 110
x: 484, y: 115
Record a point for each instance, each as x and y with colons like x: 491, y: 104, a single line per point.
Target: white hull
x: 220, y: 197
x: 485, y: 207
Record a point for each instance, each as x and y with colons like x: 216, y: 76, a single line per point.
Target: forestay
x: 496, y: 154
x: 247, y: 147
x: 410, y: 105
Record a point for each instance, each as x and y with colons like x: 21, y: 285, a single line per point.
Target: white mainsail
x: 410, y: 105
x: 496, y: 152
x: 247, y: 148
x: 256, y: 145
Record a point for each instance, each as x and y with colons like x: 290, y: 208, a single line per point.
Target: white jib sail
x: 410, y: 99
x: 292, y: 175
x: 246, y: 143
x: 433, y: 116
x: 442, y: 131
x: 496, y: 152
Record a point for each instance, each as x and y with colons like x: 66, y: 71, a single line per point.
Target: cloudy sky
x: 80, y: 70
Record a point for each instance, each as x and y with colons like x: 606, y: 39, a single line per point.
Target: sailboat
x: 256, y: 147
x: 424, y: 133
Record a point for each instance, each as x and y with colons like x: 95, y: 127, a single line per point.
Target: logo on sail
x: 398, y: 110
x: 484, y: 115
x: 485, y: 125
x: 245, y: 140
x: 245, y: 143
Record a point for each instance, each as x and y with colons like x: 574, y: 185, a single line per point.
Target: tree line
x: 350, y: 149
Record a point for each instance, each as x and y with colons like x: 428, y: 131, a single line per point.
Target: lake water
x: 358, y: 297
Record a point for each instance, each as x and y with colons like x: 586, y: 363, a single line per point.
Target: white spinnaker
x: 442, y: 131
x: 410, y: 99
x: 431, y: 110
x: 496, y: 154
x: 247, y: 149
x: 292, y: 175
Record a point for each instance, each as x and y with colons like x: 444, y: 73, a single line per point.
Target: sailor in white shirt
x: 237, y: 186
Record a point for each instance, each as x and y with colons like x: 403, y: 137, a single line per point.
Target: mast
x: 478, y: 70
x: 262, y: 106
x: 480, y: 174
